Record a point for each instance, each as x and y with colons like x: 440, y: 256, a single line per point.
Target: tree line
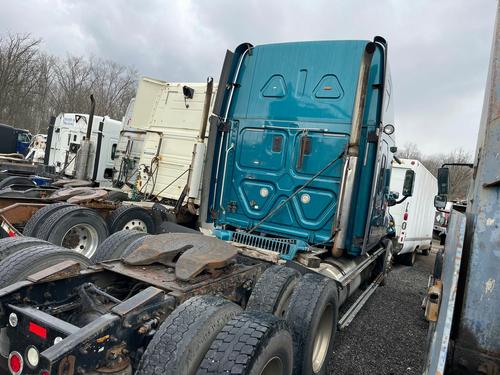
x: 35, y: 85
x: 460, y: 177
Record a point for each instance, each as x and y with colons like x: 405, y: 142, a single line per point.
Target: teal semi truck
x: 299, y: 163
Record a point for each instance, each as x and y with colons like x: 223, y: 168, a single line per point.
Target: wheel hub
x: 273, y: 367
x: 136, y: 224
x: 322, y: 339
x: 82, y: 238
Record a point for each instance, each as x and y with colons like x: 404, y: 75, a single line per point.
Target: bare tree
x: 460, y: 177
x: 18, y: 76
x: 34, y: 85
x: 410, y: 151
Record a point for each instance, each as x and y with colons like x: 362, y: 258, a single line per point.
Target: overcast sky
x: 438, y: 50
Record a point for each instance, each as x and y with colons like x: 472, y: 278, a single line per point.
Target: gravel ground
x: 388, y: 335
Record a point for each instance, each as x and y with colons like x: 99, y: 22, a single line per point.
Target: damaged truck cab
x: 298, y: 169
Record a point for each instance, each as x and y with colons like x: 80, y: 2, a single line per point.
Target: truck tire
x: 34, y: 223
x: 76, y: 228
x: 183, y: 339
x: 16, y: 180
x: 312, y: 317
x: 34, y: 259
x: 131, y: 217
x: 114, y: 246
x: 407, y: 259
x: 442, y: 239
x: 252, y: 343
x: 272, y: 291
x: 438, y: 265
x: 11, y: 245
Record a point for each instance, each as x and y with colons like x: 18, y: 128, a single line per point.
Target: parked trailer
x: 413, y: 218
x: 300, y: 152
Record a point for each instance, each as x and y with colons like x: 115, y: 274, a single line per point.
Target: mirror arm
x: 401, y: 200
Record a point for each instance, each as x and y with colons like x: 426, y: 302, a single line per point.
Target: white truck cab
x: 69, y: 131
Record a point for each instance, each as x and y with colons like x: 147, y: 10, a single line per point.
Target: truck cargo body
x: 414, y: 218
x: 69, y: 131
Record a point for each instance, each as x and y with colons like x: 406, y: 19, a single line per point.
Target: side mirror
x: 440, y: 201
x: 394, y: 195
x: 408, y: 183
x: 392, y: 198
x: 443, y: 178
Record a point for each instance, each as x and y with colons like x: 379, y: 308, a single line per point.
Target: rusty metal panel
x: 63, y: 270
x: 439, y: 332
x: 477, y: 342
x: 137, y: 301
x: 227, y: 281
x: 467, y: 336
x: 19, y: 213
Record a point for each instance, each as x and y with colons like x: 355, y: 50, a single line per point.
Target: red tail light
x: 15, y: 363
x: 38, y: 330
x: 44, y: 372
x: 405, y: 216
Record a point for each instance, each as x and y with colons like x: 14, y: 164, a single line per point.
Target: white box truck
x: 414, y: 218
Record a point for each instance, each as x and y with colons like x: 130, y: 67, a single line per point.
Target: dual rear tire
x: 82, y: 229
x: 288, y: 328
x: 309, y: 306
x: 210, y: 335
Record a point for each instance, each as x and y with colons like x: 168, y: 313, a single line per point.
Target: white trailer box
x: 69, y: 131
x: 173, y: 122
x: 414, y: 218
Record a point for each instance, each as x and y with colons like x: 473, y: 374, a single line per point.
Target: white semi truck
x: 162, y: 146
x: 69, y: 130
x: 414, y: 218
x: 173, y: 116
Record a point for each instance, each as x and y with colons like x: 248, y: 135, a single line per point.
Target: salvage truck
x: 298, y: 164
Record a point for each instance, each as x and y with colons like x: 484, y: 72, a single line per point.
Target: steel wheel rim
x: 284, y: 302
x: 82, y: 238
x: 322, y: 339
x: 273, y: 367
x: 136, y: 224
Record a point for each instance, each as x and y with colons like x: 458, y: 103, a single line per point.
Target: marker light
x: 38, y: 330
x: 389, y: 129
x: 32, y: 356
x: 15, y: 363
x: 13, y: 320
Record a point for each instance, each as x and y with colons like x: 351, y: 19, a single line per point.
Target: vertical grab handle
x: 305, y: 149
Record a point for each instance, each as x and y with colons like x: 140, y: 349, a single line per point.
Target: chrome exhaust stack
x: 349, y: 174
